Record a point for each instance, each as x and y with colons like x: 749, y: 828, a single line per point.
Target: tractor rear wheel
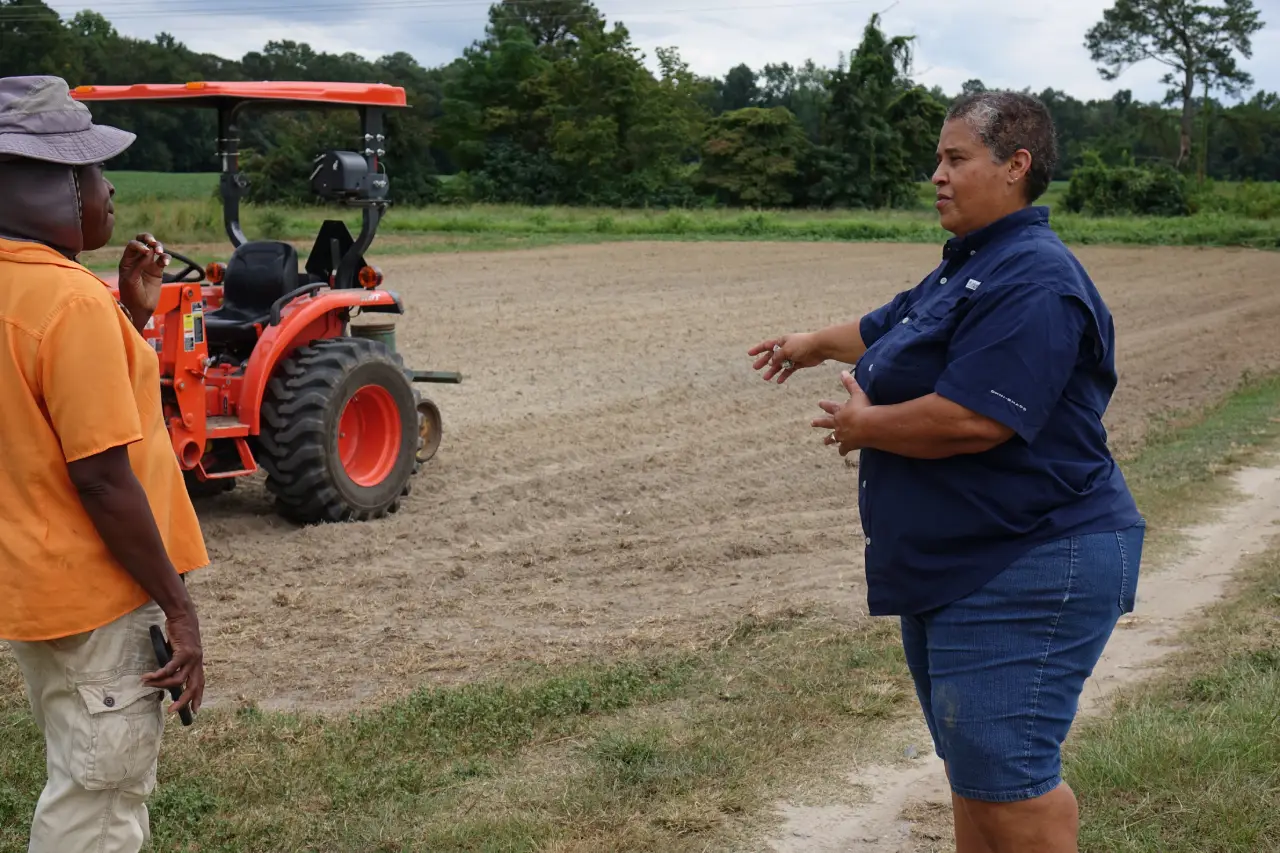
x: 340, y: 431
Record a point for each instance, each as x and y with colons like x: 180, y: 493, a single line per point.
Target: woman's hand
x: 787, y: 354
x: 843, y: 418
x: 141, y: 268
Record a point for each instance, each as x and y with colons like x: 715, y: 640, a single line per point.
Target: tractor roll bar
x: 230, y: 98
x: 233, y: 183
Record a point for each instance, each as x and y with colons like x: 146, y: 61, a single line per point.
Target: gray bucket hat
x: 40, y: 120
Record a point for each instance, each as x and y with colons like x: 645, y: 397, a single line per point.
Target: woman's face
x: 97, y: 210
x: 973, y: 189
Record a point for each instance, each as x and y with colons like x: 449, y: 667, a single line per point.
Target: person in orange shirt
x: 96, y: 527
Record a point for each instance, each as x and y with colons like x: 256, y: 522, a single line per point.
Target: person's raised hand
x: 186, y: 668
x: 783, y: 356
x: 141, y: 267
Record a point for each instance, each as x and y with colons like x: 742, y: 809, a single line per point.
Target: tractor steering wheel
x: 191, y: 266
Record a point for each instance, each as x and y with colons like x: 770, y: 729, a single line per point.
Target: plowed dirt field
x: 614, y: 476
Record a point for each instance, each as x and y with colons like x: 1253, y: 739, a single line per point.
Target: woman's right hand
x: 785, y: 355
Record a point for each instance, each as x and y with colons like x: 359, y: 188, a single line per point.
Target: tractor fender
x: 301, y: 318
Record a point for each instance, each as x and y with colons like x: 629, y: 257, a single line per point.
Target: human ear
x: 1019, y: 165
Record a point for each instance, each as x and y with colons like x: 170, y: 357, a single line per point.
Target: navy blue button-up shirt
x: 1011, y: 327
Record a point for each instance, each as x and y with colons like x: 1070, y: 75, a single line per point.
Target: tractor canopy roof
x: 213, y: 93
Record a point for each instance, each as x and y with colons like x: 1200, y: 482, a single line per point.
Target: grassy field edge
x: 1188, y: 761
x: 674, y: 752
x: 182, y: 209
x: 201, y: 222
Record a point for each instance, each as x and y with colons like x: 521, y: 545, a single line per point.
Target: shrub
x: 1249, y: 199
x: 1102, y: 190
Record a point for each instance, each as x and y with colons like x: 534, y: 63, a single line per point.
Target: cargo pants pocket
x: 117, y: 741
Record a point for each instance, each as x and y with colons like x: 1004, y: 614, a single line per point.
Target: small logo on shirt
x: 973, y: 284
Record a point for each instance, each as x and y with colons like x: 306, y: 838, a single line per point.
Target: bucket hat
x: 40, y: 120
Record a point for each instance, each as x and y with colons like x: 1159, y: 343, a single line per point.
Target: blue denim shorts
x: 999, y: 673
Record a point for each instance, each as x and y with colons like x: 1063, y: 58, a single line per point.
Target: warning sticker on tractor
x: 193, y: 327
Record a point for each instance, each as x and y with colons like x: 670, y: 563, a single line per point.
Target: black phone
x: 164, y: 654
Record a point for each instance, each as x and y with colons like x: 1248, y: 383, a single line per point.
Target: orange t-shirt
x: 75, y: 379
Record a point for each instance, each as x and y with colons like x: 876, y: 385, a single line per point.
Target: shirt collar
x: 23, y: 251
x: 975, y: 240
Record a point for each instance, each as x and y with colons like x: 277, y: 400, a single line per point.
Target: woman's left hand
x: 842, y: 418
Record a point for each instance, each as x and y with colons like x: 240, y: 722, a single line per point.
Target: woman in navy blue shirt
x: 998, y: 527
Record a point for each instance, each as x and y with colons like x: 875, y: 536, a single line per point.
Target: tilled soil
x: 614, y: 475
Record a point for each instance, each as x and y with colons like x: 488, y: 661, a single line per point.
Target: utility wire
x: 196, y: 9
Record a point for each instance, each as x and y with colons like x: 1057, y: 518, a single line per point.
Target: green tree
x: 878, y: 125
x: 752, y: 157
x: 571, y: 118
x: 740, y: 89
x: 1197, y: 41
x: 801, y: 90
x: 33, y: 40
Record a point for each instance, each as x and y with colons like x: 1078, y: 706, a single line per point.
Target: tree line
x: 554, y: 105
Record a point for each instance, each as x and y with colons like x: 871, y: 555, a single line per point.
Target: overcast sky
x: 1005, y: 44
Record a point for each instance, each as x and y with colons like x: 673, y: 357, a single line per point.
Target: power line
x: 201, y: 10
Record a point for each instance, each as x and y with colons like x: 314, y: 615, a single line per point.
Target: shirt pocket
x: 939, y: 314
x: 906, y: 365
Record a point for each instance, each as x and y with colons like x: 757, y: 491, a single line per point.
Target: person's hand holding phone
x: 186, y: 669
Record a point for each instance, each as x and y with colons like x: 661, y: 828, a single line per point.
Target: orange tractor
x: 260, y: 364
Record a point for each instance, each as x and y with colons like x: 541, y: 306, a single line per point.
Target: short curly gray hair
x: 1008, y: 121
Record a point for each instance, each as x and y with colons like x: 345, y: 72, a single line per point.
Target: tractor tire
x: 340, y: 432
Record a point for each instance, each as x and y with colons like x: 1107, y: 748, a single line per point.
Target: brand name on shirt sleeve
x: 1009, y: 401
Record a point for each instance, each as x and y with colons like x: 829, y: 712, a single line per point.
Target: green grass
x: 135, y: 187
x: 179, y: 209
x: 1190, y: 763
x: 641, y: 755
x: 1178, y: 473
x: 684, y: 752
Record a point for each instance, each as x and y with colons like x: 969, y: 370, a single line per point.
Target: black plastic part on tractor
x: 299, y: 440
x: 345, y: 176
x: 257, y: 276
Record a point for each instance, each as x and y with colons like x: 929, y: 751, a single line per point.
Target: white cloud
x: 1038, y: 45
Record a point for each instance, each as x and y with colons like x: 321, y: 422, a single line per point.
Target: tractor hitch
x: 444, y: 376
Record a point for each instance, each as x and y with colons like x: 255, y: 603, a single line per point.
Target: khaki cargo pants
x: 102, y: 728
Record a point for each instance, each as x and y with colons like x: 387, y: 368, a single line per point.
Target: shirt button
x: 868, y: 541
x: 943, y: 280
x: 973, y: 252
x: 109, y: 701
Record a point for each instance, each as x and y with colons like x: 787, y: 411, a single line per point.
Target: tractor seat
x: 258, y: 274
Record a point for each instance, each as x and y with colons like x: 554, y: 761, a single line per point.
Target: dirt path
x: 908, y: 807
x: 614, y: 477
